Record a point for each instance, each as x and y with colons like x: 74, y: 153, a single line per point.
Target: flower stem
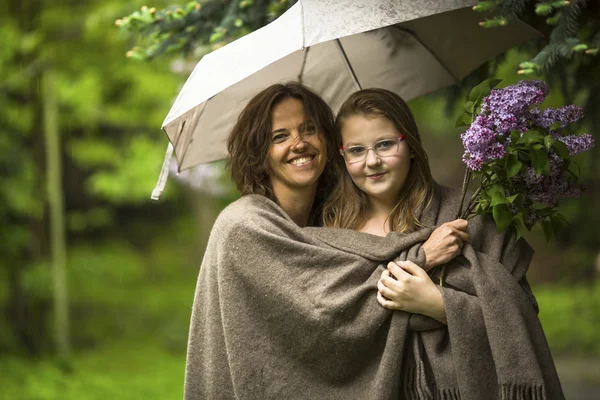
x: 465, y: 184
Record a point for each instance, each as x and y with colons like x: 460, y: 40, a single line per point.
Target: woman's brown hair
x: 347, y: 205
x: 250, y: 139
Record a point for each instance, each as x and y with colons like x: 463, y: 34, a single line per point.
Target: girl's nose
x: 372, y: 158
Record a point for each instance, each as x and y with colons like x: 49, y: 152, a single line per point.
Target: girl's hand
x: 445, y: 243
x: 412, y: 291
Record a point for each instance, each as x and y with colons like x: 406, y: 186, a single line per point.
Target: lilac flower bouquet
x: 521, y: 155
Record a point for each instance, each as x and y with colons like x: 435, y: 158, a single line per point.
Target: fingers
x: 461, y: 224
x: 412, y: 268
x: 396, y: 271
x: 384, y: 290
x: 462, y: 236
x: 386, y: 302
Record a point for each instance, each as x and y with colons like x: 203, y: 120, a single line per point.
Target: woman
x: 387, y: 187
x: 282, y: 311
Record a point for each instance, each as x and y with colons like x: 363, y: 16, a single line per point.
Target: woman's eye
x: 356, y: 150
x: 310, y: 129
x: 279, y: 138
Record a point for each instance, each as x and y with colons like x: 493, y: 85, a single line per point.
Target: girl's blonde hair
x: 347, y: 205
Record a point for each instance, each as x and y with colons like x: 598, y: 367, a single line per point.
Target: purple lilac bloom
x: 508, y: 108
x: 480, y: 143
x: 565, y: 115
x: 576, y: 143
x: 556, y: 185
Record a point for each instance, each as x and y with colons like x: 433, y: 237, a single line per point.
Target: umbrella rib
x: 347, y: 63
x: 303, y: 64
x: 430, y: 52
x: 190, y: 138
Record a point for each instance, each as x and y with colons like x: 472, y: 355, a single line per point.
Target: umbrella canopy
x: 335, y: 47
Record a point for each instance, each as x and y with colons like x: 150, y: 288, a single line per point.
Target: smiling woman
x: 297, y: 155
x: 279, y: 148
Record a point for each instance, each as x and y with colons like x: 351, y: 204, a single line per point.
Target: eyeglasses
x: 383, y: 148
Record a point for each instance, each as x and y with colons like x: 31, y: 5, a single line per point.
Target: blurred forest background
x: 97, y: 280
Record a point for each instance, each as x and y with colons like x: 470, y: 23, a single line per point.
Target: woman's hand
x: 445, y: 243
x: 412, y: 291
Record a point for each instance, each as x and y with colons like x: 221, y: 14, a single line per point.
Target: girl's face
x: 297, y: 154
x: 381, y: 176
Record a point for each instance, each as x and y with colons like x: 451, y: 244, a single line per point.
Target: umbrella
x: 335, y: 47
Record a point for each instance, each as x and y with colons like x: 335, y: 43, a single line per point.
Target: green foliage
x: 110, y: 110
x: 124, y: 370
x: 198, y: 26
x: 570, y: 317
x: 574, y: 27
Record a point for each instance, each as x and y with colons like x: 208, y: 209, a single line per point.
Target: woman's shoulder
x: 248, y: 211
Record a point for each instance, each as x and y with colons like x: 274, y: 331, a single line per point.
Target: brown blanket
x: 282, y: 312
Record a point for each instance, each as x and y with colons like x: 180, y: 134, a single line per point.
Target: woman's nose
x: 299, y: 144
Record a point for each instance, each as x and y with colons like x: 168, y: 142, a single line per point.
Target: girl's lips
x: 375, y: 177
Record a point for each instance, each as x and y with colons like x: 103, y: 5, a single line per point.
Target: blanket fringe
x: 522, y: 392
x: 416, y: 389
x: 448, y: 394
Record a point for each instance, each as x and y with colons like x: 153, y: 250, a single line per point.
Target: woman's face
x: 380, y: 177
x: 297, y: 154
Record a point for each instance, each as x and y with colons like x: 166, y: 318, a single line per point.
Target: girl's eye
x: 385, y: 144
x: 356, y: 150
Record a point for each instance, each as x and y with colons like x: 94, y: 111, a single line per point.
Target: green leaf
x: 484, y: 6
x: 513, y: 166
x: 494, y: 22
x: 519, y: 225
x: 469, y: 106
x: 555, y: 126
x: 554, y: 19
x: 561, y: 149
x: 480, y: 91
x: 539, y: 159
x: 502, y: 217
x: 544, y: 212
x: 558, y: 223
x: 514, y: 137
x: 496, y: 192
x: 464, y: 120
x: 511, y: 199
x: 543, y: 9
x: 548, y: 231
x: 531, y: 136
x: 494, y: 82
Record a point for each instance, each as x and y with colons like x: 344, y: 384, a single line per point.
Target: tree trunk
x: 56, y: 213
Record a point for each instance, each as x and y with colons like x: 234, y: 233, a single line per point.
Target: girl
x: 491, y: 345
x: 386, y: 184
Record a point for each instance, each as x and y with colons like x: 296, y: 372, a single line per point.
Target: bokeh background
x: 130, y: 263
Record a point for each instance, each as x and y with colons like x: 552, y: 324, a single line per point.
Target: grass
x: 120, y: 370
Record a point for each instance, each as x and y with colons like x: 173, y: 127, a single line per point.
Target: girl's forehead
x: 360, y: 127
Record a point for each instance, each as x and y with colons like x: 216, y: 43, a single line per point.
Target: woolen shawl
x: 283, y: 312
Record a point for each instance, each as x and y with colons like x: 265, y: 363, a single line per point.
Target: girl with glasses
x: 456, y: 345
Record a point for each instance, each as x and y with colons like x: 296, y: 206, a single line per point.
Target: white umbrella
x: 335, y: 47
